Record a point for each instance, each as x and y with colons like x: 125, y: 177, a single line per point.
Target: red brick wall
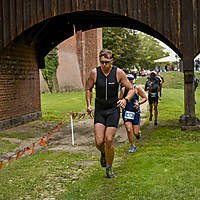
x: 19, y: 86
x: 80, y: 49
x: 68, y: 72
x: 78, y: 55
x: 89, y: 44
x: 19, y: 77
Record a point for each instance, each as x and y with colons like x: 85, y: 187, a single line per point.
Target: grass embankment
x: 165, y: 166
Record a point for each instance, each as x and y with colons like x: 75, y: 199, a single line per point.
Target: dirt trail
x: 62, y: 140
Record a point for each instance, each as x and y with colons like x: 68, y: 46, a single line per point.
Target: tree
x: 123, y: 43
x: 49, y: 73
x: 132, y: 48
x: 149, y: 50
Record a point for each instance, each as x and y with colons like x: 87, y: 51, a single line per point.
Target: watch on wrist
x: 126, y: 99
x: 139, y: 103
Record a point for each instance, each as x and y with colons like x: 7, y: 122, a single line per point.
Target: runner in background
x: 153, y: 87
x: 131, y: 113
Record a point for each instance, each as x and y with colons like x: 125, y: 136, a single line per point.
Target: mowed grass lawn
x: 165, y: 166
x: 56, y: 106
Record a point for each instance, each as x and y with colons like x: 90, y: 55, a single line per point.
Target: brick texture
x: 68, y: 72
x: 78, y: 55
x: 89, y: 44
x: 19, y: 86
x: 19, y: 76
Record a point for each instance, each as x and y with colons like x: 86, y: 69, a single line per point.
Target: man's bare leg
x: 109, y: 144
x: 136, y: 129
x: 99, y: 132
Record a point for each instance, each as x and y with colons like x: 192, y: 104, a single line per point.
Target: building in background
x: 78, y: 55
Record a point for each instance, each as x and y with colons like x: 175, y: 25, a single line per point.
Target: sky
x: 171, y: 52
x: 167, y: 49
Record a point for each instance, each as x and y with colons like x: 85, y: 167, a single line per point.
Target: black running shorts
x: 153, y: 100
x: 108, y: 117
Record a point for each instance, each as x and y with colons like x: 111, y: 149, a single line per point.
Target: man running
x: 106, y: 79
x: 131, y: 113
x: 153, y: 87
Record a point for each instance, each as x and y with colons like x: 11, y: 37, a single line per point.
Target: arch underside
x: 49, y: 33
x: 46, y: 23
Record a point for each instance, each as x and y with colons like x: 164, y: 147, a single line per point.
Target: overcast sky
x: 167, y: 49
x: 171, y: 52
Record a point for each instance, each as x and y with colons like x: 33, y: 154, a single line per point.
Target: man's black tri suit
x: 107, y: 87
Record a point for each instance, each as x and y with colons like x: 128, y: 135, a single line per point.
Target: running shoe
x: 138, y: 136
x: 109, y: 172
x: 150, y: 118
x: 133, y: 149
x: 155, y: 122
x: 103, y: 160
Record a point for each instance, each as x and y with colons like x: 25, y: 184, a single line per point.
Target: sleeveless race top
x: 155, y: 84
x: 130, y: 105
x: 107, y: 88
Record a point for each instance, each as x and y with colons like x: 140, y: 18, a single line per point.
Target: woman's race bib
x: 129, y: 115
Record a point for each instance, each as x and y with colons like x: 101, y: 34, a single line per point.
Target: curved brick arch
x: 29, y: 29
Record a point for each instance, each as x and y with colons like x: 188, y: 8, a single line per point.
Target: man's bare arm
x: 121, y: 93
x: 89, y: 86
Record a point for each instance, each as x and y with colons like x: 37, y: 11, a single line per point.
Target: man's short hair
x: 105, y: 53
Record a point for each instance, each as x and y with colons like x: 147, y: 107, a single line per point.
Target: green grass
x: 56, y: 106
x: 165, y: 166
x: 6, y: 146
x: 40, y: 175
x: 173, y: 80
x: 18, y: 135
